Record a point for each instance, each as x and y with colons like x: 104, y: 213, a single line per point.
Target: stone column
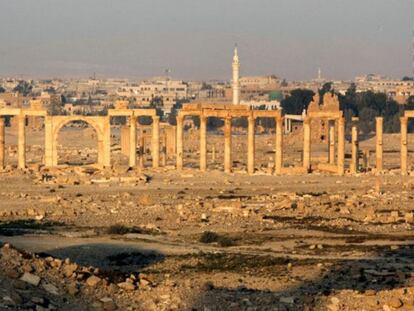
x: 306, y: 144
x: 404, y: 145
x: 251, y: 145
x: 101, y: 152
x: 171, y: 140
x: 21, y: 142
x: 331, y: 139
x: 156, y: 142
x: 379, y: 147
x: 2, y: 141
x: 355, y: 146
x: 142, y: 149
x: 227, y: 145
x: 164, y: 153
x: 279, y: 147
x: 341, y: 146
x: 48, y: 142
x: 132, y: 141
x: 366, y: 157
x: 203, y: 143
x: 106, y: 125
x: 125, y: 130
x: 180, y: 138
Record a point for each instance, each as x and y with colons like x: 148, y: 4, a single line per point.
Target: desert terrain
x: 80, y: 238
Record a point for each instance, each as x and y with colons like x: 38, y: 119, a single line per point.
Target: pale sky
x: 195, y: 38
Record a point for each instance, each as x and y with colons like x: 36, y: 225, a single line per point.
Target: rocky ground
x: 80, y: 238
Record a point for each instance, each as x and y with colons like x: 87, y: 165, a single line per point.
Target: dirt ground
x: 80, y: 238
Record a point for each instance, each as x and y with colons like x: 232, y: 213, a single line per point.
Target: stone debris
x: 92, y: 281
x: 30, y: 278
x: 52, y: 284
x: 314, y: 242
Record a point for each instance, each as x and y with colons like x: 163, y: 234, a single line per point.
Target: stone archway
x: 53, y: 124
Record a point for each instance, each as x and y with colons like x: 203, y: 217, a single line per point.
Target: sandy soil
x: 205, y: 241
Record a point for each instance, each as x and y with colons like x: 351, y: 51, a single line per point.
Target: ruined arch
x: 55, y: 123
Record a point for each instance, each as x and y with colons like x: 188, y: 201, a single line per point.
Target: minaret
x: 236, y: 76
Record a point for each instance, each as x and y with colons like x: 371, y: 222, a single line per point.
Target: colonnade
x: 336, y: 136
x: 332, y: 119
x: 227, y: 113
x: 155, y: 142
x: 101, y: 125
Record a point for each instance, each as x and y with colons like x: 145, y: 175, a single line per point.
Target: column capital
x: 155, y: 118
x: 404, y: 120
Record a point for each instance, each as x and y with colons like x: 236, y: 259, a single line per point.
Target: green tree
x: 172, y: 117
x: 23, y: 87
x: 297, y: 101
x: 367, y: 120
x: 214, y: 123
x: 347, y: 105
x: 326, y: 88
x: 367, y: 106
x: 283, y: 83
x: 157, y: 103
x: 205, y: 86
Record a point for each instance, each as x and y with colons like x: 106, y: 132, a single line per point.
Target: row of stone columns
x: 50, y: 157
x: 103, y: 142
x: 155, y: 141
x: 228, y: 144
x: 341, y: 144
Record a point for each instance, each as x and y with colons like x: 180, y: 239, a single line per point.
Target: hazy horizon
x: 195, y: 39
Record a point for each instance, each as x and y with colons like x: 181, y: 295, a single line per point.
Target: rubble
x: 157, y: 239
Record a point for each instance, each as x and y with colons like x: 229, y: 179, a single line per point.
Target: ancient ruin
x: 330, y: 114
x: 101, y: 124
x: 227, y: 112
x: 143, y: 168
x: 166, y: 142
